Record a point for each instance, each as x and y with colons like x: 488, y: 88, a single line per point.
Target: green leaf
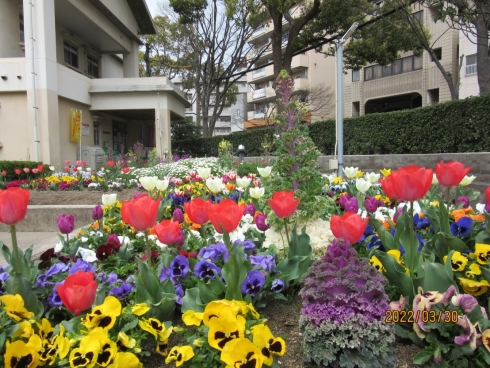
x: 452, y: 243
x: 206, y: 293
x: 234, y: 271
x: 396, y: 274
x: 192, y: 301
x: 147, y: 284
x: 422, y: 357
x: 130, y: 325
x: 2, y: 340
x: 483, y: 237
x: 435, y: 278
x: 486, y: 275
x: 384, y: 235
x: 164, y: 309
x: 5, y: 252
x: 16, y: 284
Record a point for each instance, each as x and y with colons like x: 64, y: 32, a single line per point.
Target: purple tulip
x: 349, y: 204
x: 178, y: 215
x: 253, y: 283
x: 180, y: 237
x: 97, y: 213
x: 465, y: 200
x: 260, y: 222
x: 249, y: 209
x: 371, y: 204
x: 66, y: 223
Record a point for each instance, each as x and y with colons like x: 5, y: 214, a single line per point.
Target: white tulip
x: 204, y: 172
x: 214, y: 185
x: 109, y: 199
x: 162, y: 184
x: 89, y: 169
x: 51, y: 168
x: 243, y: 182
x: 264, y: 171
x: 372, y: 177
x: 87, y: 255
x: 362, y: 185
x: 149, y: 182
x: 79, y: 169
x: 351, y: 172
x: 58, y: 247
x: 257, y: 192
x: 331, y: 178
x: 434, y: 179
x: 467, y: 180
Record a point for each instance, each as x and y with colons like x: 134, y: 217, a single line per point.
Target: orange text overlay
x: 424, y: 316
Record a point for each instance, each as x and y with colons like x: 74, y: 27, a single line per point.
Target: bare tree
x: 319, y: 99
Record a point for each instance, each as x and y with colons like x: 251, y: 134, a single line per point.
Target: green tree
x: 184, y: 129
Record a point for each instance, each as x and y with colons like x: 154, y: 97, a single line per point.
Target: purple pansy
x: 253, y: 283
x: 122, y: 291
x: 204, y: 269
x: 81, y: 265
x: 277, y: 285
x: 248, y: 245
x: 166, y: 273
x: 267, y: 263
x: 179, y: 266
x: 56, y: 268
x: 462, y: 227
x: 214, y: 252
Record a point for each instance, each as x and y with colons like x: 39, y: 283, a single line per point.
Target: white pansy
x: 124, y: 240
x: 372, y: 177
x: 83, y: 239
x: 58, y: 247
x: 362, y: 185
x: 214, y: 185
x: 247, y: 219
x: 87, y: 255
x: 152, y: 237
x: 257, y: 192
x: 434, y: 179
x: 351, y: 172
x: 89, y: 169
x: 204, y: 172
x: 195, y: 233
x: 467, y: 180
x: 243, y: 182
x: 237, y: 235
x: 264, y: 171
x: 109, y: 199
x: 139, y: 234
x: 160, y: 244
x: 480, y: 207
x: 149, y: 182
x: 162, y: 184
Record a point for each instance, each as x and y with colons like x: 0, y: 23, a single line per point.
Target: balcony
x: 261, y: 75
x: 258, y: 73
x: 261, y: 94
x: 300, y: 62
x: 301, y: 84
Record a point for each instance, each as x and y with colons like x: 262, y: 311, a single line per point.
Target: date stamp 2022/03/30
x: 424, y: 316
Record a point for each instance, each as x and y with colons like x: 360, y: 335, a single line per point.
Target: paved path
x: 41, y: 241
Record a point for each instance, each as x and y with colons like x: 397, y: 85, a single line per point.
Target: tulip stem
x: 15, y: 249
x: 148, y: 249
x: 287, y: 235
x: 412, y: 251
x: 448, y: 197
x: 101, y: 224
x: 67, y: 240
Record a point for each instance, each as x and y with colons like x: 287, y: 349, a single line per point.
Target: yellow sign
x: 76, y: 125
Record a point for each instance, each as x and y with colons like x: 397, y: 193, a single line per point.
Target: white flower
x: 195, y: 233
x: 152, y: 237
x: 467, y: 180
x: 58, y: 247
x: 149, y: 182
x: 243, y: 182
x: 264, y: 171
x: 257, y: 192
x: 204, y: 172
x: 89, y: 169
x: 247, y: 219
x: 51, y: 168
x: 140, y: 234
x: 480, y: 207
x: 214, y: 185
x: 79, y: 169
x: 351, y: 172
x: 124, y: 240
x: 162, y: 184
x: 87, y: 255
x: 83, y: 239
x: 109, y: 199
x: 160, y: 244
x: 372, y: 177
x: 434, y: 179
x: 331, y: 178
x: 362, y: 185
x: 93, y: 185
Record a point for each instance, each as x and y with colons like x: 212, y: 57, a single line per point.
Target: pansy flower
x: 179, y: 355
x: 86, y: 354
x: 473, y: 270
x: 277, y: 285
x: 179, y: 266
x: 103, y: 315
x: 458, y: 261
x: 462, y: 227
x: 14, y: 306
x: 469, y: 335
x: 204, y: 269
x: 224, y: 329
x: 108, y: 348
x: 474, y: 287
x: 242, y: 353
x: 376, y: 263
x: 156, y: 328
x: 267, y: 343
x: 485, y: 337
x: 126, y: 360
x: 482, y: 253
x: 21, y: 354
x: 253, y: 283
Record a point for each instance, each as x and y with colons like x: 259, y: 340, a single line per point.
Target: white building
x: 468, y: 74
x: 78, y: 55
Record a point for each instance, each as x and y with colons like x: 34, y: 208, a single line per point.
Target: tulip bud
x: 66, y: 223
x: 97, y: 213
x: 178, y: 215
x: 465, y: 200
x: 260, y: 222
x: 249, y: 209
x: 371, y: 204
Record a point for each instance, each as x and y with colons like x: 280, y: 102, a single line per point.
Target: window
x: 238, y: 114
x: 437, y: 53
x: 21, y: 25
x: 405, y: 65
x: 368, y: 73
x: 376, y: 71
x: 471, y: 64
x: 386, y: 72
x: 93, y: 66
x: 71, y: 54
x: 356, y: 75
x: 397, y: 66
x: 419, y: 16
x: 417, y: 62
x: 96, y: 135
x: 355, y: 108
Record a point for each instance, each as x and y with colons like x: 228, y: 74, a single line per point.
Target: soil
x: 282, y: 317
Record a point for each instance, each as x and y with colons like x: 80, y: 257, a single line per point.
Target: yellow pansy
x: 224, y: 329
x: 126, y: 360
x: 179, y: 355
x: 14, y: 306
x: 45, y: 329
x: 474, y: 287
x: 485, y: 337
x: 376, y: 263
x: 385, y: 172
x: 21, y: 354
x: 25, y: 330
x: 395, y: 253
x: 198, y: 343
x: 86, y: 354
x: 192, y: 318
x: 140, y: 309
x: 474, y: 269
x: 218, y: 309
x: 458, y: 261
x: 241, y: 353
x: 103, y: 315
x: 267, y: 343
x: 125, y: 342
x: 482, y: 253
x: 156, y: 328
x: 108, y: 348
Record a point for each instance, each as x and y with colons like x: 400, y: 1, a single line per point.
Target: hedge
x: 10, y: 166
x: 454, y: 126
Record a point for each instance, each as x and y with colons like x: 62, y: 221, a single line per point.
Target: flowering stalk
x: 15, y: 249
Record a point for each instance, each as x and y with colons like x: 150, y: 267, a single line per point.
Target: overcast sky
x: 153, y: 6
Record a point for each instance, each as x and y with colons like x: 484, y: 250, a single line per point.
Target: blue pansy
x: 462, y: 227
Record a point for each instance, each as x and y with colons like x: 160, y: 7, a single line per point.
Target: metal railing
x: 259, y: 72
x: 258, y: 93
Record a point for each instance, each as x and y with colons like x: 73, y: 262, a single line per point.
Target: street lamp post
x: 241, y: 152
x: 340, y: 96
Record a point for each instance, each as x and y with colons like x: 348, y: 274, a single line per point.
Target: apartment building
x: 69, y: 69
x: 312, y: 72
x: 408, y: 82
x: 468, y: 72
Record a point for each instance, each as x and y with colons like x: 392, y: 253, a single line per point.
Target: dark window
x: 376, y: 71
x: 397, y: 66
x: 386, y: 72
x: 356, y: 75
x: 417, y: 62
x: 407, y: 64
x: 368, y: 73
x: 21, y: 25
x: 71, y: 54
x: 92, y: 66
x: 419, y: 16
x: 437, y: 53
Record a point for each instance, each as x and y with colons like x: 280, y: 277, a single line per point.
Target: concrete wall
x: 15, y: 133
x: 10, y: 30
x: 469, y: 83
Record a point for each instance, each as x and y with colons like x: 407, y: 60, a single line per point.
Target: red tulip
x: 168, y: 231
x: 26, y: 170
x: 487, y: 193
x: 67, y: 162
x: 84, y: 163
x: 197, y: 210
x: 411, y: 182
x: 17, y: 171
x: 110, y: 163
x: 67, y: 169
x: 13, y: 205
x: 78, y: 291
x: 186, y: 254
x: 78, y: 162
x: 350, y: 226
x: 35, y: 171
x: 141, y: 213
x: 4, y: 172
x: 451, y: 174
x: 40, y: 167
x: 125, y: 170
x: 226, y: 214
x: 387, y: 184
x: 283, y: 203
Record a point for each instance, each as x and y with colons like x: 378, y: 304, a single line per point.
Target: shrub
x: 344, y: 308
